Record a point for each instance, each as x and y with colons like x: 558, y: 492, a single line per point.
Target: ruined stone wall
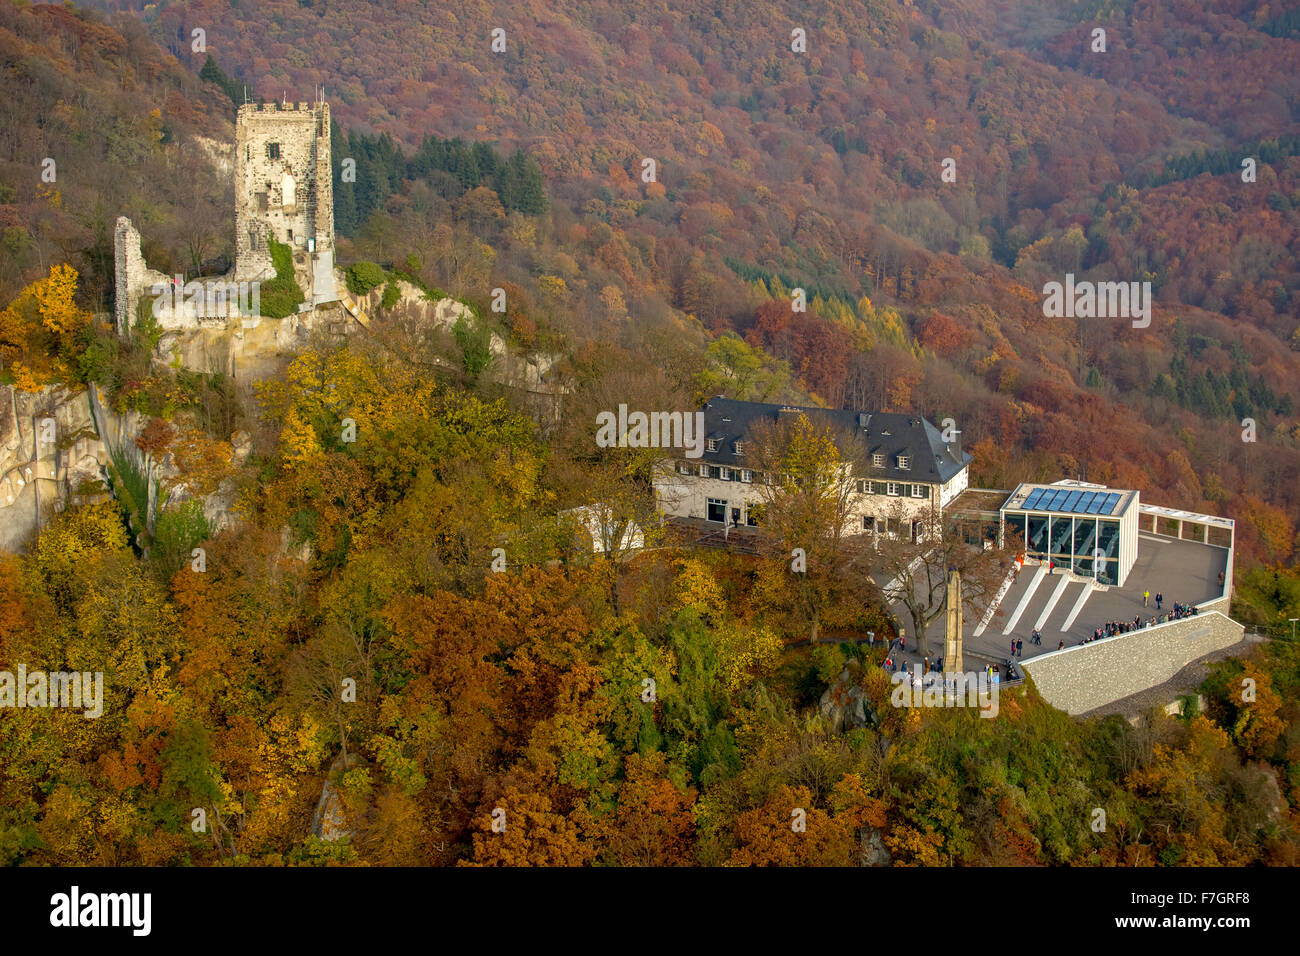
x: 133, y: 277
x: 1083, y: 678
x: 283, y: 187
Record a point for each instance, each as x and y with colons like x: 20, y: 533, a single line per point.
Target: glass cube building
x: 1088, y: 529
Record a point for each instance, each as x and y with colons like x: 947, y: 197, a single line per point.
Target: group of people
x: 1018, y: 645
x: 1111, y: 628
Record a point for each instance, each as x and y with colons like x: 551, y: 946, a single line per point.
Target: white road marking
x: 1088, y: 588
x: 1024, y: 601
x: 997, y: 600
x: 1051, y: 603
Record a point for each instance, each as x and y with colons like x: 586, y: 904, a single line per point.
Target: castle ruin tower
x: 284, y: 192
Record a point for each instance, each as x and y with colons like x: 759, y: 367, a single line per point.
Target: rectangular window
x: 893, y: 488
x: 862, y: 487
x: 1015, y: 533
x: 738, y: 447
x: 1108, y: 538
x: 724, y: 474
x: 1038, y: 535
x: 868, y: 523
x: 918, y: 491
x: 683, y: 468
x: 717, y: 510
x: 704, y: 471
x: 746, y: 475
x: 272, y: 150
x: 1085, y: 543
x: 904, y: 462
x: 1059, y: 539
x: 878, y: 461
x: 712, y: 444
x: 715, y: 471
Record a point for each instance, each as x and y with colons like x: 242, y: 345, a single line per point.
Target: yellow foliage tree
x: 39, y: 330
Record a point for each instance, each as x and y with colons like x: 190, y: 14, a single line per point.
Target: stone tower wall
x: 264, y: 205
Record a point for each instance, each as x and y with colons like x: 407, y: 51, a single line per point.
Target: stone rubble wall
x: 264, y: 206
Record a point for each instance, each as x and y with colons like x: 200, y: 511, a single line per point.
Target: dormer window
x: 904, y: 462
x: 738, y: 447
x: 712, y: 444
x: 878, y: 461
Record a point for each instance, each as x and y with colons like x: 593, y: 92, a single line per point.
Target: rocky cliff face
x: 55, y: 447
x: 527, y: 372
x: 50, y: 454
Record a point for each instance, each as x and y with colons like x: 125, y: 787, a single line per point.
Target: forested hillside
x: 479, y: 687
x: 824, y: 169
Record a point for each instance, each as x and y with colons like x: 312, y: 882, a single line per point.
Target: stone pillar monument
x: 952, y: 652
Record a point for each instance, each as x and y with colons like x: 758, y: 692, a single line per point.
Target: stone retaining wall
x: 1082, y: 678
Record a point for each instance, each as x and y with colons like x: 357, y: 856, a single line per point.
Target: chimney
x: 864, y: 420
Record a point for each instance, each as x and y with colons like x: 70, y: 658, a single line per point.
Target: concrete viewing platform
x: 1067, y: 608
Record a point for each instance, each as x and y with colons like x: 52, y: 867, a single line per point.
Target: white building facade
x: 908, y: 471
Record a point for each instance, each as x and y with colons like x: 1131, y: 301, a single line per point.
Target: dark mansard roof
x: 890, y: 434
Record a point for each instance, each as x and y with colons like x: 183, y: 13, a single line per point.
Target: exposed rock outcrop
x: 49, y: 452
x: 844, y: 704
x: 55, y: 449
x: 330, y: 822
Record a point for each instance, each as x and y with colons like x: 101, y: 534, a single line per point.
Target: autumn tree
x: 915, y: 561
x: 806, y: 490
